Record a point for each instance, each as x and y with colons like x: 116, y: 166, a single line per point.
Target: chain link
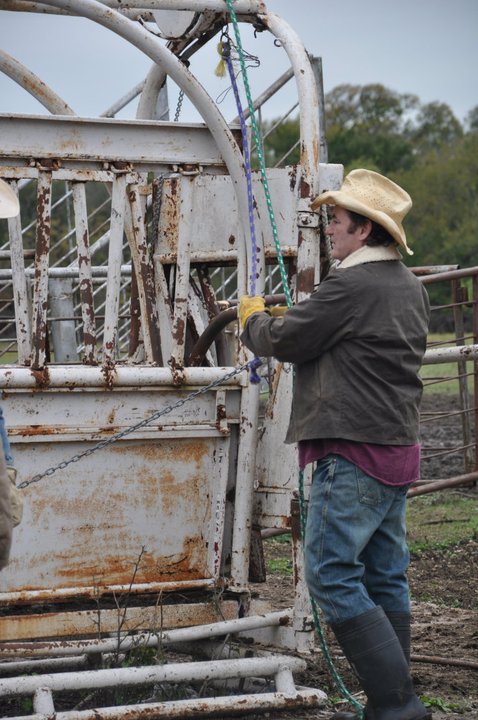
x: 179, y: 105
x: 114, y: 438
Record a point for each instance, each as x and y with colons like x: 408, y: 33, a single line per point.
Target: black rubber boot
x: 371, y: 646
x: 401, y: 622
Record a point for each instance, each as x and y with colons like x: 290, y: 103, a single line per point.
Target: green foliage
x: 454, y: 521
x: 438, y: 704
x: 425, y: 149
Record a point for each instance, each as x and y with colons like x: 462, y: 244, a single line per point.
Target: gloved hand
x: 278, y: 311
x: 16, y: 500
x: 249, y: 306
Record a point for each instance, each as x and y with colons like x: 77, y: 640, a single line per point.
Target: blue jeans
x: 356, y: 554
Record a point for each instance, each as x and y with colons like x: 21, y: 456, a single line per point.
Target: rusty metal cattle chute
x: 150, y: 534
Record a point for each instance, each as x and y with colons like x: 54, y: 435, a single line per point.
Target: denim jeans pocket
x: 369, y: 490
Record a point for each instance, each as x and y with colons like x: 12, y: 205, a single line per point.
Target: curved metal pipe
x: 32, y: 84
x: 209, y: 335
x: 217, y: 325
x: 151, y: 46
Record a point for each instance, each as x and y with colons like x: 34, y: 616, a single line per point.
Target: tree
x: 435, y: 126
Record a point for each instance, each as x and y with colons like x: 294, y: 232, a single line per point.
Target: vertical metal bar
x: 245, y: 475
x: 182, y: 273
x: 115, y: 256
x: 458, y: 296
x: 62, y: 324
x: 316, y: 63
x: 475, y: 362
x: 43, y: 702
x: 84, y: 269
x: 40, y: 283
x: 144, y: 275
x: 218, y: 512
x: 20, y: 293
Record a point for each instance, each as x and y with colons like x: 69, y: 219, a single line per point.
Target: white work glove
x: 16, y: 500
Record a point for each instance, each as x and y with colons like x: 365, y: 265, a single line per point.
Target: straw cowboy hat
x: 9, y: 206
x: 376, y: 197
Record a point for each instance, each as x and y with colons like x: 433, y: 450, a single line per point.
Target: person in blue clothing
x: 357, y: 344
x: 10, y: 501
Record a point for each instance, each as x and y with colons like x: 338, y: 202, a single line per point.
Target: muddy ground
x: 444, y: 589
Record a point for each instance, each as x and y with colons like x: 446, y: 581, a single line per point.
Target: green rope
x: 260, y: 155
x: 285, y: 284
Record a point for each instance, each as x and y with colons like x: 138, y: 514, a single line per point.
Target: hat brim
x: 9, y: 205
x: 344, y: 200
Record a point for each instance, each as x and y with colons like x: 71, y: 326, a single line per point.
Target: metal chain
x: 179, y: 105
x: 114, y: 438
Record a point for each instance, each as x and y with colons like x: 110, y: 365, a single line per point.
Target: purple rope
x: 226, y: 53
x: 254, y: 376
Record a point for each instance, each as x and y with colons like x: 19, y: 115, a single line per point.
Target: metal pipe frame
x: 179, y: 672
x: 244, y: 7
x: 207, y: 707
x: 83, y: 376
x: 66, y: 648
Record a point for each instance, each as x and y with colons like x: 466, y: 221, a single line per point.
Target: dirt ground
x: 444, y: 589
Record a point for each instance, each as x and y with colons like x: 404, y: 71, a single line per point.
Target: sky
x: 425, y: 47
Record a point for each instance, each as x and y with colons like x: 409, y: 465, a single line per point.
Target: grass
x: 440, y: 521
x: 446, y: 373
x: 436, y: 522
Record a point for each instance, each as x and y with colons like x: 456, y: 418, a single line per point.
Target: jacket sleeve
x: 5, y: 514
x: 308, y: 329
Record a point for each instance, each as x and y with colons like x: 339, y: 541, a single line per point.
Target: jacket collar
x: 367, y: 254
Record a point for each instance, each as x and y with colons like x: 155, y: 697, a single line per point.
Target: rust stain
x: 305, y: 280
x: 42, y: 378
x: 304, y: 189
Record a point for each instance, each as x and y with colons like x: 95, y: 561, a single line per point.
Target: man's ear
x: 365, y: 230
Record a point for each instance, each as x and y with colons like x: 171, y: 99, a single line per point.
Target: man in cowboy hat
x: 357, y: 343
x: 10, y: 503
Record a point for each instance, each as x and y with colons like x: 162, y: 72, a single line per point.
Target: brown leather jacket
x: 357, y: 344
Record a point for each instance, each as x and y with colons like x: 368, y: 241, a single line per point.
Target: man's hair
x: 378, y: 234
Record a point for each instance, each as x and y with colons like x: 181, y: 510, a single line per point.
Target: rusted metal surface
x: 40, y: 287
x: 85, y: 275
x: 100, y: 621
x: 144, y: 277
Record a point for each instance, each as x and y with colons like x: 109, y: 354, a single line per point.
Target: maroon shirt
x: 390, y: 464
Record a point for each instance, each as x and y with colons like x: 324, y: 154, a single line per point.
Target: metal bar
x: 460, y: 296
x: 40, y: 286
x: 177, y: 672
x: 181, y: 292
x: 103, y: 140
x: 308, y: 247
x: 245, y: 475
x: 450, y: 354
x: 265, y: 96
x: 123, y: 101
x: 43, y: 701
x: 72, y: 376
x: 32, y: 84
x: 115, y: 255
x: 144, y: 277
x: 20, y: 291
x: 85, y: 272
x: 203, y: 707
x: 435, y: 485
x: 475, y: 363
x: 451, y: 275
x: 68, y: 648
x: 72, y: 271
x: 244, y: 7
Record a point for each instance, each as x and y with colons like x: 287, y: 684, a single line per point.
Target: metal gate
x: 119, y: 283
